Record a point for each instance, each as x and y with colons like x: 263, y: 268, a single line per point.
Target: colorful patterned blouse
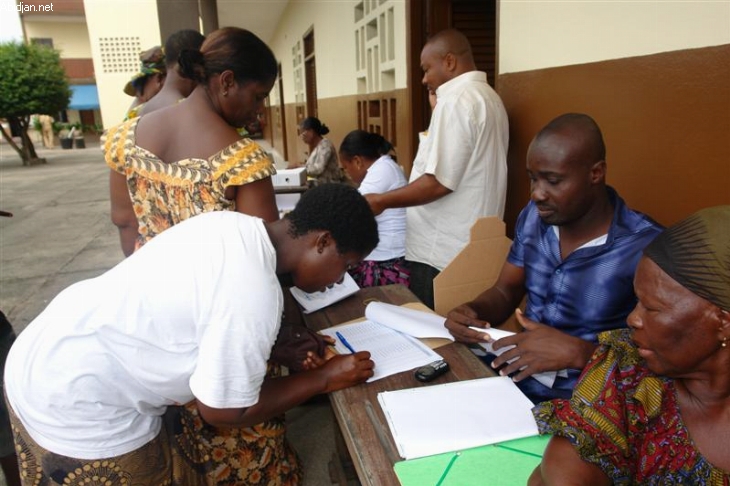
x: 626, y: 420
x: 165, y: 194
x: 323, y: 164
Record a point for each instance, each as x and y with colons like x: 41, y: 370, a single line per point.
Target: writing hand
x: 458, y: 321
x: 540, y: 348
x: 342, y: 371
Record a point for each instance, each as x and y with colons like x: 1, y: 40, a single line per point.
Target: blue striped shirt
x: 589, y: 292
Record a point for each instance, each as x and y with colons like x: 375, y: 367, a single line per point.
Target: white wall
x: 536, y: 34
x: 334, y: 38
x: 119, y: 19
x: 10, y: 26
x: 71, y: 38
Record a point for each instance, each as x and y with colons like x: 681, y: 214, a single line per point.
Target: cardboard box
x: 475, y: 268
x: 290, y: 178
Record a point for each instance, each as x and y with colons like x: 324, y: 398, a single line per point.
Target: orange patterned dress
x: 164, y: 194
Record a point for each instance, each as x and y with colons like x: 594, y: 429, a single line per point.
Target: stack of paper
x: 456, y: 416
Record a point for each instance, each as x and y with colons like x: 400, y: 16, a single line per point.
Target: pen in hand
x: 344, y: 342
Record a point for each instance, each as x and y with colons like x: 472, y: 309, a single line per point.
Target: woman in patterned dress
x: 653, y: 404
x: 187, y: 159
x: 322, y: 165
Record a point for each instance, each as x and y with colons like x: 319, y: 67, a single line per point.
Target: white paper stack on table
x: 456, y: 416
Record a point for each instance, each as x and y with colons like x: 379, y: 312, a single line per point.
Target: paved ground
x: 61, y: 233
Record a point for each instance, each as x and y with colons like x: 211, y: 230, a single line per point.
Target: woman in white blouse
x: 366, y: 159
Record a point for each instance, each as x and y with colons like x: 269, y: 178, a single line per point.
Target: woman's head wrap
x: 696, y: 253
x: 152, y: 62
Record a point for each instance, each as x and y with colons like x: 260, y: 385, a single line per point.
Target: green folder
x: 505, y: 464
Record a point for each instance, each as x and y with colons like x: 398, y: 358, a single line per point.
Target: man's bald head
x: 580, y: 128
x: 451, y: 42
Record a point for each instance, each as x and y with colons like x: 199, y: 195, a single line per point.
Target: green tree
x: 32, y: 81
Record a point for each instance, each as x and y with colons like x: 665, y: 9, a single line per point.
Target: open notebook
x: 422, y: 324
x: 391, y: 350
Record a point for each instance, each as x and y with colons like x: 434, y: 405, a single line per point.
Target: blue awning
x: 84, y: 97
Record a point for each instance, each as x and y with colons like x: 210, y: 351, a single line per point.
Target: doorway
x: 310, y: 74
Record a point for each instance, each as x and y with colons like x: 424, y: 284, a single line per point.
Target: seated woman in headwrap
x: 653, y: 405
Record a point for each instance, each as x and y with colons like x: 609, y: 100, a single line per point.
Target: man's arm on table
x: 493, y: 306
x: 423, y: 190
x: 542, y: 348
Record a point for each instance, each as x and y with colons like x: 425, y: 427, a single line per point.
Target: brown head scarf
x: 696, y: 253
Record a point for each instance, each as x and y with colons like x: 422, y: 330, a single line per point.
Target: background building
x: 62, y: 26
x: 653, y: 74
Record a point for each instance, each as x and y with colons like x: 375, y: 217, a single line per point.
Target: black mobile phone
x: 432, y: 370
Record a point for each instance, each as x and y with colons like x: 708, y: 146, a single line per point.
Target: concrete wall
x: 334, y: 25
x: 129, y: 27
x: 538, y: 34
x: 653, y: 75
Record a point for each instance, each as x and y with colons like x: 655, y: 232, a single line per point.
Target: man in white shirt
x: 192, y: 315
x: 460, y: 171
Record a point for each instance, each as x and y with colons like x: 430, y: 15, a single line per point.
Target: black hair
x: 179, y: 41
x: 365, y: 144
x: 234, y: 49
x: 578, y: 123
x: 339, y: 209
x: 313, y: 123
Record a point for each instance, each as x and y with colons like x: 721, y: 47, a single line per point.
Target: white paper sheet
x: 319, y: 300
x: 413, y: 322
x: 456, y: 416
x: 422, y: 324
x: 390, y: 350
x: 547, y: 378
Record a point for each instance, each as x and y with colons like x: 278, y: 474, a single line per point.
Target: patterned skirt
x: 151, y: 464
x: 371, y: 273
x: 186, y: 452
x: 251, y: 456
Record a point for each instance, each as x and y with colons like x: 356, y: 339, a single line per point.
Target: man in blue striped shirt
x: 574, y: 255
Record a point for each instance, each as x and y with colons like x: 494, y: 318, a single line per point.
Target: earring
x: 225, y: 93
x: 724, y: 342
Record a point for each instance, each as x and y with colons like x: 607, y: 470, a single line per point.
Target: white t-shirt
x: 383, y: 176
x: 193, y: 313
x: 465, y: 148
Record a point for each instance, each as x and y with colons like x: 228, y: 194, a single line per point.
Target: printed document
x: 455, y: 416
x: 390, y: 350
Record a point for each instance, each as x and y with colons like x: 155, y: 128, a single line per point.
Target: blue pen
x: 344, y: 341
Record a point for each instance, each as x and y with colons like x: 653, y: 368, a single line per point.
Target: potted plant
x: 65, y: 135
x: 78, y: 135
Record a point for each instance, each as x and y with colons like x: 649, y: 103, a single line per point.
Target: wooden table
x: 360, y: 418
